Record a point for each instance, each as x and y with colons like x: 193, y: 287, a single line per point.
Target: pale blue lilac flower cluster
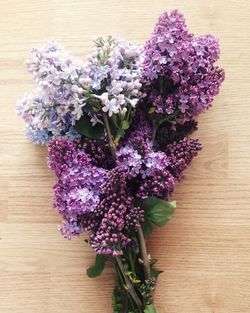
x: 44, y: 118
x: 67, y: 88
x: 54, y: 106
x: 58, y: 73
x: 179, y: 76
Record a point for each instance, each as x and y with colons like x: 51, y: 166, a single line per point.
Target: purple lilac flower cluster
x: 128, y: 91
x: 77, y: 192
x: 92, y: 199
x: 101, y: 201
x: 155, y: 172
x: 98, y: 151
x: 147, y: 167
x: 179, y: 75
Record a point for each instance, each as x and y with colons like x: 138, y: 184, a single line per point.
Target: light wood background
x: 205, y: 249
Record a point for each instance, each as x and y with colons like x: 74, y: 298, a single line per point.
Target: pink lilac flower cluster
x: 180, y: 78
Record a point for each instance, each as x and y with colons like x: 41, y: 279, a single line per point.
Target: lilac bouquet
x: 118, y: 131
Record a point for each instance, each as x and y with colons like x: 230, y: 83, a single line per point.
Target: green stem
x: 144, y: 254
x: 161, y: 85
x: 118, y: 137
x: 131, y: 261
x: 131, y: 302
x: 154, y: 130
x: 112, y: 145
x: 129, y: 285
x: 120, y: 285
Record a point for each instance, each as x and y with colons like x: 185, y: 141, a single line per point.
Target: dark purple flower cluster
x: 61, y: 154
x: 156, y: 179
x: 168, y: 133
x: 119, y: 217
x: 180, y: 155
x: 98, y: 151
x: 140, y: 139
x: 180, y: 78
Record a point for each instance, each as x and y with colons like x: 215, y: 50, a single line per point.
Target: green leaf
x: 155, y: 272
x: 98, y: 268
x: 147, y: 227
x: 150, y: 309
x: 161, y: 213
x: 157, y: 211
x: 85, y: 127
x: 117, y: 301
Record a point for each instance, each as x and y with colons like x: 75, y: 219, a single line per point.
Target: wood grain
x: 205, y: 250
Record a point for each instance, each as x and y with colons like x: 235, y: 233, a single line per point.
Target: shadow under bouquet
x: 118, y: 131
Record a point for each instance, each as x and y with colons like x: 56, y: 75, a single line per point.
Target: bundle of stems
x: 136, y: 276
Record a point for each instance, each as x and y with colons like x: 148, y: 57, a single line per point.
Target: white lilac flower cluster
x: 67, y: 88
x: 114, y: 73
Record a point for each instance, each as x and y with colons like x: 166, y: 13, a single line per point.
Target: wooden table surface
x: 205, y: 249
